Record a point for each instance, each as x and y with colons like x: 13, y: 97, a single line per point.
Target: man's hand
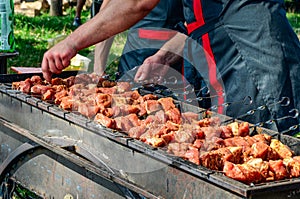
x: 152, y: 70
x: 57, y: 58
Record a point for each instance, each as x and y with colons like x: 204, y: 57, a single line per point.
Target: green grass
x: 294, y: 19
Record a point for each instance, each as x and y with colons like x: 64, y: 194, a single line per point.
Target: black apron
x: 149, y: 34
x: 245, y: 48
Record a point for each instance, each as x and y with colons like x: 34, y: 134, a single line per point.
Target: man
x: 79, y: 7
x: 102, y: 49
x: 248, y: 49
x: 148, y: 35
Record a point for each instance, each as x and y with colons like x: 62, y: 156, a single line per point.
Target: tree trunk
x: 56, y: 8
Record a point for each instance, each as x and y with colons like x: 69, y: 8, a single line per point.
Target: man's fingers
x: 142, y: 73
x: 59, y: 64
x: 52, y: 66
x: 45, y: 70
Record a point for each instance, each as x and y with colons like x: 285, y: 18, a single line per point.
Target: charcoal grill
x: 60, y: 154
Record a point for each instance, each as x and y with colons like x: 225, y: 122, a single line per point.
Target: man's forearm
x: 171, y: 52
x: 117, y: 16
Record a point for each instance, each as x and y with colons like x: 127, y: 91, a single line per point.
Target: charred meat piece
x: 174, y: 115
x: 105, y: 121
x: 122, y: 87
x: 167, y: 103
x: 66, y: 103
x: 261, y: 166
x: 215, y: 159
x: 192, y: 154
x: 35, y: 79
x: 293, y: 166
x: 39, y: 89
x: 279, y: 169
x: 152, y: 106
x: 242, y: 172
x: 239, y: 129
x: 88, y: 110
x: 103, y: 100
x: 49, y: 95
x: 68, y: 82
x: 137, y: 131
x: 82, y: 79
x: 149, y: 97
x: 189, y: 117
x: 282, y: 150
x: 206, y: 122
x: 57, y: 81
x: 178, y: 149
x: 111, y: 90
x: 59, y: 95
x: 238, y: 141
x: 24, y: 86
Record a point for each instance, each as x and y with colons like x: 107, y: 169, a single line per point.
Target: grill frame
x: 171, y: 170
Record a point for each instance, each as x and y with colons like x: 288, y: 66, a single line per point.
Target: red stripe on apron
x: 198, y: 15
x: 156, y: 34
x: 212, y: 72
x: 212, y: 67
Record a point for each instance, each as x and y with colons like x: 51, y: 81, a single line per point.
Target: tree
x: 56, y: 8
